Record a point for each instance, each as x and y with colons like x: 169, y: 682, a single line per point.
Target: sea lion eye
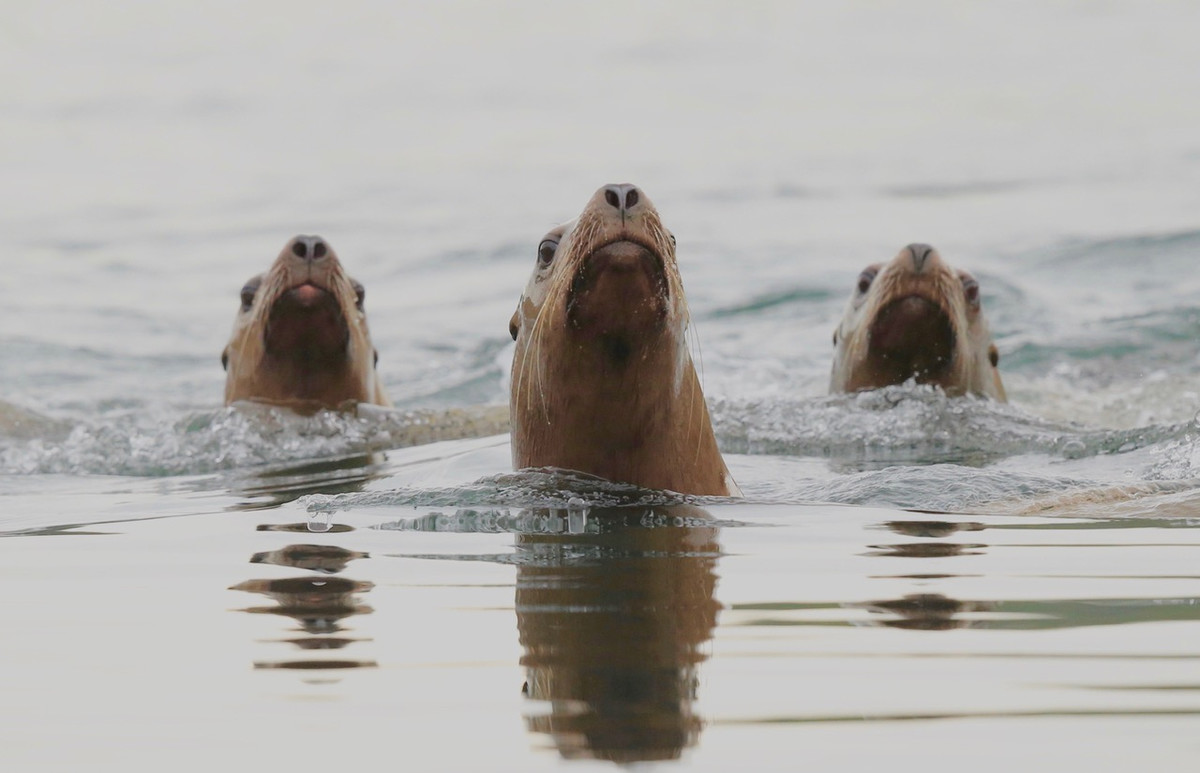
x: 971, y: 291
x: 360, y: 293
x: 248, y: 292
x: 865, y: 279
x: 546, y: 252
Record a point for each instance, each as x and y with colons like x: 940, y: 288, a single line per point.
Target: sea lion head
x: 602, y: 374
x: 300, y: 337
x: 607, y: 280
x: 916, y: 318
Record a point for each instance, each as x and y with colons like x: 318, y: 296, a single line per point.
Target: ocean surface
x: 909, y: 580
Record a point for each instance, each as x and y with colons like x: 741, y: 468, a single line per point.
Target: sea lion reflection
x: 611, y: 623
x: 320, y: 603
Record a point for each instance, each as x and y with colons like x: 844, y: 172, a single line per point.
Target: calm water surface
x: 910, y: 580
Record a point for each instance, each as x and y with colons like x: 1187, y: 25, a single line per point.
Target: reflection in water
x: 935, y: 529
x: 932, y: 528
x: 318, y: 558
x: 937, y: 612
x: 926, y: 550
x: 612, y: 619
x: 924, y: 612
x: 306, y: 528
x: 270, y: 487
x: 320, y: 604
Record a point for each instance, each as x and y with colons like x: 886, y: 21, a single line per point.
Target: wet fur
x: 254, y: 373
x: 971, y: 370
x: 639, y: 417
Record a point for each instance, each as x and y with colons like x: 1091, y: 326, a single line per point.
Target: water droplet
x: 577, y: 513
x: 320, y: 522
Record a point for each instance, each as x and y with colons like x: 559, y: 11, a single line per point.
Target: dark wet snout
x: 309, y: 247
x: 626, y: 199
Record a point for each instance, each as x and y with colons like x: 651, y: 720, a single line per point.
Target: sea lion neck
x: 631, y: 425
x: 307, y: 345
x: 307, y: 328
x: 913, y: 323
x: 618, y: 296
x: 910, y: 337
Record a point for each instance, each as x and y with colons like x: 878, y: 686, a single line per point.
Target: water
x: 909, y: 580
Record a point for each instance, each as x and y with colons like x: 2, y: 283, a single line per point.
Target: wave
x: 914, y: 424
x: 243, y: 435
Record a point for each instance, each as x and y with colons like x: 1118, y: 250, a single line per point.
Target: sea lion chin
x: 602, y: 380
x: 300, y: 337
x: 916, y: 318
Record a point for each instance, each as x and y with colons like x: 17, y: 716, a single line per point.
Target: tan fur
x: 254, y: 371
x: 640, y: 419
x: 858, y: 365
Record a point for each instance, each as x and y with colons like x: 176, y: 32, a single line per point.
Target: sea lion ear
x: 993, y: 355
x: 225, y: 360
x: 835, y: 337
x: 514, y: 324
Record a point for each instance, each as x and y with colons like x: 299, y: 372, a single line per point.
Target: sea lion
x: 602, y: 380
x: 916, y: 318
x: 300, y: 337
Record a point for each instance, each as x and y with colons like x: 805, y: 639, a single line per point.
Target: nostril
x: 631, y: 198
x: 611, y: 197
x: 319, y: 250
x: 299, y: 249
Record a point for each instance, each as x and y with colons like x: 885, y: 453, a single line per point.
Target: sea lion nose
x: 623, y: 198
x: 920, y: 255
x: 309, y: 247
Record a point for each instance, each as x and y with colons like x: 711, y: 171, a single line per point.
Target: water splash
x: 244, y: 435
x: 914, y: 423
x: 320, y: 523
x: 547, y: 488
